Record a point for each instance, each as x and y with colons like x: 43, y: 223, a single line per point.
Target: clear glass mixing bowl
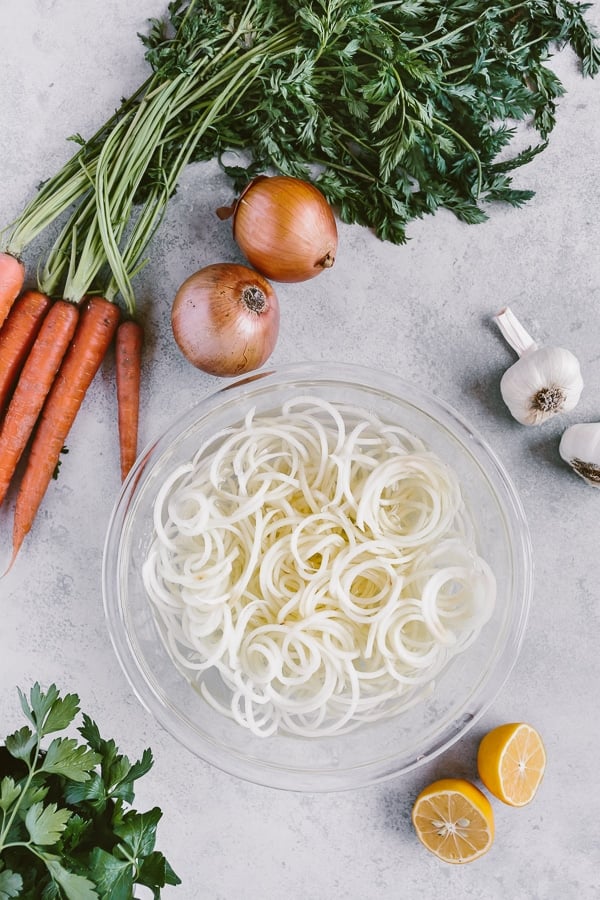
x: 373, y: 752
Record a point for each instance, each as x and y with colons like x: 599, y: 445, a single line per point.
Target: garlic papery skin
x: 543, y: 382
x: 580, y: 448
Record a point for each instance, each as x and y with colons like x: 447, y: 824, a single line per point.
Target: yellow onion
x: 284, y: 227
x: 225, y: 319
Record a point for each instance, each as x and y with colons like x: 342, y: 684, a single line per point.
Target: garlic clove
x: 543, y: 382
x: 580, y: 448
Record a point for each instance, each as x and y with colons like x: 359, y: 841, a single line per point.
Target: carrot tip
x: 11, y: 561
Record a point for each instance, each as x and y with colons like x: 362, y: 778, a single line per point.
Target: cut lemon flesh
x: 511, y: 760
x: 454, y: 820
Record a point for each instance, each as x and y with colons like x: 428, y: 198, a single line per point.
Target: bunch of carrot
x: 50, y: 351
x: 53, y: 339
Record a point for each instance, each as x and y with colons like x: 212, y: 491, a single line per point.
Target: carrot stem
x: 98, y: 322
x: 67, y: 186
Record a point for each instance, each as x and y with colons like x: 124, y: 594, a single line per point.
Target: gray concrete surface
x: 422, y: 311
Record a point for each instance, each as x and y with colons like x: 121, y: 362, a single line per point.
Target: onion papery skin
x: 285, y: 228
x: 215, y: 327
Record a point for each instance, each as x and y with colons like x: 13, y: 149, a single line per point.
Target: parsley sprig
x: 67, y: 829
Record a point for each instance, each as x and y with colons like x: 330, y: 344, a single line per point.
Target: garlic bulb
x: 544, y: 381
x: 580, y: 448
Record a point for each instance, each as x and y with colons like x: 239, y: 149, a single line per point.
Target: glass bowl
x: 373, y: 752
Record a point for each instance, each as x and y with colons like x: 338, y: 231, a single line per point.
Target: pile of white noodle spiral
x: 322, y: 561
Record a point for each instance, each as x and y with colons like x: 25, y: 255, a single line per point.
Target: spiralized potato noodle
x: 322, y: 562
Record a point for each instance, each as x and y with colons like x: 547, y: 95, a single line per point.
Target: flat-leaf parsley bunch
x: 67, y: 829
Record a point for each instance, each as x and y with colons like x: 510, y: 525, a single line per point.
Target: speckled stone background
x: 422, y: 311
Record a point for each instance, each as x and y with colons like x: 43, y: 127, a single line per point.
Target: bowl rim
x: 292, y: 778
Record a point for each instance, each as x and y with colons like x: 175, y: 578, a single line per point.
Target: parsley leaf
x: 66, y: 758
x: 47, y: 711
x: 138, y: 831
x: 21, y: 743
x: 11, y: 884
x: 9, y: 791
x: 155, y: 871
x: 45, y: 824
x: 75, y: 887
x: 113, y: 876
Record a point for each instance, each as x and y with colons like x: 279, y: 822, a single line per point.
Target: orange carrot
x: 17, y: 336
x: 97, y: 325
x: 33, y: 386
x: 12, y: 276
x: 129, y: 343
